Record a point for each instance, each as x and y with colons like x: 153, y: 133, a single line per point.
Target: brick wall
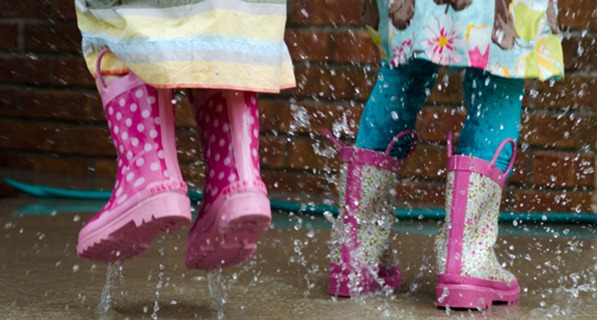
x: 51, y: 120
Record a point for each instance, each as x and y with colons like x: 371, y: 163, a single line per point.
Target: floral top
x: 509, y: 38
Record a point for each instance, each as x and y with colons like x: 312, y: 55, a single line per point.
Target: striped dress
x: 222, y: 44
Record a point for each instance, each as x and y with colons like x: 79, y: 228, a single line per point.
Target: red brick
x: 311, y: 45
x: 302, y: 156
x: 577, y: 14
x: 26, y: 9
x: 297, y: 183
x: 25, y: 70
x: 280, y: 116
x: 579, y: 52
x: 96, y: 111
x: 189, y: 146
x: 325, y: 12
x: 564, y: 132
x: 103, y: 168
x: 184, y: 114
x: 65, y: 10
x: 82, y: 140
x: 420, y: 194
x: 9, y: 33
x: 558, y: 169
x: 274, y: 115
x: 553, y: 201
x: 25, y: 136
x: 311, y: 82
x: 447, y: 89
x: 355, y: 47
x: 194, y: 175
x: 354, y: 83
x: 273, y: 152
x: 572, y: 92
x: 52, y: 37
x: 59, y: 104
x: 437, y: 122
x: 427, y: 162
x: 73, y: 72
x: 42, y: 163
x: 332, y: 116
x: 10, y: 102
x: 522, y: 171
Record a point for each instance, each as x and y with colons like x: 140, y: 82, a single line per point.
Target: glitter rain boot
x: 361, y: 260
x: 469, y: 273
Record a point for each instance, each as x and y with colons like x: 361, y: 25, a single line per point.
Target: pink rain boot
x: 361, y: 257
x: 235, y: 209
x: 469, y: 273
x: 150, y: 195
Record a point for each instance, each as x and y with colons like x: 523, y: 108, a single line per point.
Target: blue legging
x: 493, y: 114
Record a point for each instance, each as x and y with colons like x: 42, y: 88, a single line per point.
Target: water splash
x: 158, y: 287
x: 357, y: 257
x: 113, y: 273
x: 301, y: 118
x: 217, y: 291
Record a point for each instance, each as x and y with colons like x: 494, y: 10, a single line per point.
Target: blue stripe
x: 269, y: 48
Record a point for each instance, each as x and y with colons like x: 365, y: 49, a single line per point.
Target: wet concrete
x: 42, y: 278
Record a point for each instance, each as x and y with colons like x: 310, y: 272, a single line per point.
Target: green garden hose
x: 306, y: 208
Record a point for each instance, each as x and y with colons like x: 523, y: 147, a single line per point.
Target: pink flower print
x: 443, y: 38
x: 402, y: 52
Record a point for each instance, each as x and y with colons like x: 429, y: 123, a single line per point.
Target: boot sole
x: 229, y: 236
x: 462, y: 296
x: 132, y: 232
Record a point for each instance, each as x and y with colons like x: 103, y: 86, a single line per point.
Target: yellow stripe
x: 203, y: 74
x: 215, y: 22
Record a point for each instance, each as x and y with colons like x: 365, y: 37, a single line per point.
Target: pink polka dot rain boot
x: 361, y: 260
x: 235, y: 209
x: 469, y: 273
x: 150, y: 195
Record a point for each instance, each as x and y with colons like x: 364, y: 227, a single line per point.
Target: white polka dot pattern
x: 133, y: 119
x: 215, y: 133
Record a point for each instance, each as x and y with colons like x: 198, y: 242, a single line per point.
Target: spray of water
x: 217, y: 291
x: 113, y: 274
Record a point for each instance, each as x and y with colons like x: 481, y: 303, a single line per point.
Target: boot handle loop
x: 400, y: 135
x: 98, y: 68
x: 499, y: 150
x: 328, y: 134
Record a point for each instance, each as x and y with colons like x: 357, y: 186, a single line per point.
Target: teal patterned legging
x: 494, y: 106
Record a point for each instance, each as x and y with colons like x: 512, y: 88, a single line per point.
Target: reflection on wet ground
x: 41, y: 277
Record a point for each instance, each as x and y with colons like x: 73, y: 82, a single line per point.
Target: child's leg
x: 464, y: 245
x: 394, y: 104
x: 235, y: 207
x: 361, y: 256
x: 494, y: 106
